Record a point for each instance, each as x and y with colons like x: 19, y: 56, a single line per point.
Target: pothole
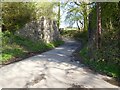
x: 35, y: 80
x: 79, y: 87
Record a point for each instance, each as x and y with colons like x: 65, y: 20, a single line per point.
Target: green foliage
x: 110, y: 34
x: 5, y: 57
x: 106, y: 59
x: 46, y: 9
x: 16, y: 46
x: 110, y: 15
x: 16, y: 14
x: 76, y: 34
x: 83, y: 36
x: 57, y: 43
x: 94, y: 18
x: 77, y: 13
x: 100, y: 64
x: 68, y: 33
x: 30, y: 45
x: 73, y: 14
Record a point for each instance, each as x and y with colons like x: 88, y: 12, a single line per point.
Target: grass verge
x: 101, y: 66
x: 15, y: 48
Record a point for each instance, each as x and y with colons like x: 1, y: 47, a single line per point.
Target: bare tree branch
x: 78, y: 3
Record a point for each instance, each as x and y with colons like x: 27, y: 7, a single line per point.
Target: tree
x: 16, y: 14
x: 107, y: 31
x: 46, y: 9
x: 77, y: 12
x: 98, y: 25
x: 83, y: 11
x: 73, y: 15
x: 58, y: 15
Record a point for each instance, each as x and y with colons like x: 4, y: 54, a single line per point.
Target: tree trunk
x: 85, y: 17
x: 90, y: 40
x: 58, y: 15
x: 78, y: 26
x: 1, y: 17
x: 81, y: 24
x: 98, y: 43
x: 89, y: 27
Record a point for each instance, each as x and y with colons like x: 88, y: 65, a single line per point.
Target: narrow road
x: 52, y: 69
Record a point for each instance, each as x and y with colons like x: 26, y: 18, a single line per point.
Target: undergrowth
x: 18, y: 47
x: 104, y: 60
x: 99, y: 64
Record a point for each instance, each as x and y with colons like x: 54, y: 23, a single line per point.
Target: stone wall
x: 42, y: 29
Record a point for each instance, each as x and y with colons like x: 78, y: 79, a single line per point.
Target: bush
x: 106, y: 58
x: 78, y: 35
x: 103, y: 61
x: 57, y: 43
x: 16, y: 15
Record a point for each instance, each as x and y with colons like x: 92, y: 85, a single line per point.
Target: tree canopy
x: 16, y: 14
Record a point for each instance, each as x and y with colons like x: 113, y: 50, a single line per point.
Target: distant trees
x: 78, y: 12
x: 75, y: 14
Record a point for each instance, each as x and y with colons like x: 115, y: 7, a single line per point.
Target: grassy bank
x: 100, y: 65
x: 16, y: 47
x: 104, y: 60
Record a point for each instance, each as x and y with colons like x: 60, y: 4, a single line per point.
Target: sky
x: 63, y: 24
x: 63, y: 13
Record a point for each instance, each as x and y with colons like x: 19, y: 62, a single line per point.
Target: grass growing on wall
x: 19, y: 47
